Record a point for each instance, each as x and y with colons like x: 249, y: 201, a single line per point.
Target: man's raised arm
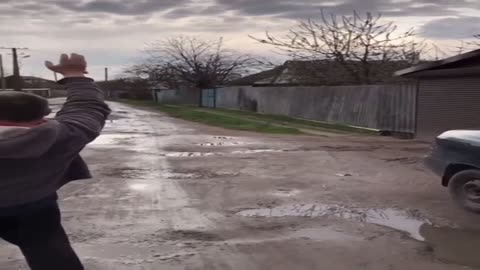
x: 85, y: 111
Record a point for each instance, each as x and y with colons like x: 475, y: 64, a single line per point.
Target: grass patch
x: 296, y: 122
x: 245, y: 120
x: 210, y: 117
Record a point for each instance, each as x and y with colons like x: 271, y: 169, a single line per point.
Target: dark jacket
x: 35, y: 162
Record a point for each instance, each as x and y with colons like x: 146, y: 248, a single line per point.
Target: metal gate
x: 209, y: 98
x: 447, y: 103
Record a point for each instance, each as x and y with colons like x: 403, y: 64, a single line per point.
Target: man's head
x: 19, y: 107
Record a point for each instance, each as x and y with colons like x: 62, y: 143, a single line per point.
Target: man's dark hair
x: 22, y: 107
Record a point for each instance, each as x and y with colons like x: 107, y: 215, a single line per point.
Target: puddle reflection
x: 209, y: 154
x: 451, y: 245
x: 139, y: 187
x: 112, y: 139
x: 221, y: 144
x: 398, y: 220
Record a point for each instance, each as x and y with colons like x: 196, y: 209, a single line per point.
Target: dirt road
x: 174, y: 195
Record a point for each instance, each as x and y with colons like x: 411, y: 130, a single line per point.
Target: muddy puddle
x: 448, y: 244
x: 283, y: 192
x: 112, y: 139
x: 146, y: 174
x: 453, y: 245
x: 223, y: 141
x: 257, y: 151
x: 315, y: 234
x: 209, y: 154
x: 200, y: 174
x: 324, y: 234
x: 223, y: 138
x: 139, y: 187
x: 211, y: 144
x: 399, y: 220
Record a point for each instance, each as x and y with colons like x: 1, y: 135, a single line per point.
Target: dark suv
x: 456, y: 158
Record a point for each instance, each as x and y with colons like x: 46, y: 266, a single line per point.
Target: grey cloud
x: 310, y: 8
x: 228, y: 15
x: 179, y: 13
x: 289, y: 9
x: 431, y: 10
x: 119, y: 6
x: 452, y: 28
x: 82, y: 21
x: 221, y: 25
x: 30, y: 6
x: 114, y: 7
x: 182, y: 12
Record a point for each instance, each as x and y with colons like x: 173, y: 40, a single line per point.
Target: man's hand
x: 73, y: 66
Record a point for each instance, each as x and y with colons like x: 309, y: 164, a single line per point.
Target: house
x: 448, y: 94
x: 322, y: 73
x: 37, y: 85
x: 32, y: 82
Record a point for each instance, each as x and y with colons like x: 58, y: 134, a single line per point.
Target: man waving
x: 39, y: 156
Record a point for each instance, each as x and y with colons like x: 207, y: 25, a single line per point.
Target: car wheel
x: 465, y: 189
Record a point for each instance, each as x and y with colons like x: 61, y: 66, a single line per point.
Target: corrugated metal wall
x: 166, y: 96
x: 397, y: 108
x: 446, y: 104
x: 183, y: 95
x: 384, y: 107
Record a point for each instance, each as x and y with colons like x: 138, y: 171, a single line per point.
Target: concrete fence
x: 383, y: 107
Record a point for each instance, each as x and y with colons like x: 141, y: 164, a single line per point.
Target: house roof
x: 319, y: 72
x: 34, y: 82
x: 251, y: 79
x: 30, y: 78
x: 462, y: 60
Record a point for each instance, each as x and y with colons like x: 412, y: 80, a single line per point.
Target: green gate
x: 209, y: 98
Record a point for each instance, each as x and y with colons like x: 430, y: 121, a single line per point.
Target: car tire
x: 459, y: 185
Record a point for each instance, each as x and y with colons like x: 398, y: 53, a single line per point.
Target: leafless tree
x: 196, y: 62
x: 475, y: 44
x: 156, y: 74
x: 464, y: 46
x: 360, y: 44
x: 129, y: 86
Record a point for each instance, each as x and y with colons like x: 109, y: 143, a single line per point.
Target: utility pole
x: 2, y: 74
x: 107, y: 87
x: 106, y: 74
x: 17, y: 79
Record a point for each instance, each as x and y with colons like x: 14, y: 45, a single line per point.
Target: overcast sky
x: 112, y: 32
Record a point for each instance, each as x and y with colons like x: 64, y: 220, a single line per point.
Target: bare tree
x: 128, y: 87
x: 464, y: 46
x: 362, y: 45
x: 156, y: 74
x: 196, y: 62
x: 475, y: 44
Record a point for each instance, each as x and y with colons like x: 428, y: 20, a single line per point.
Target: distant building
x: 322, y: 73
x: 32, y: 82
x: 38, y: 86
